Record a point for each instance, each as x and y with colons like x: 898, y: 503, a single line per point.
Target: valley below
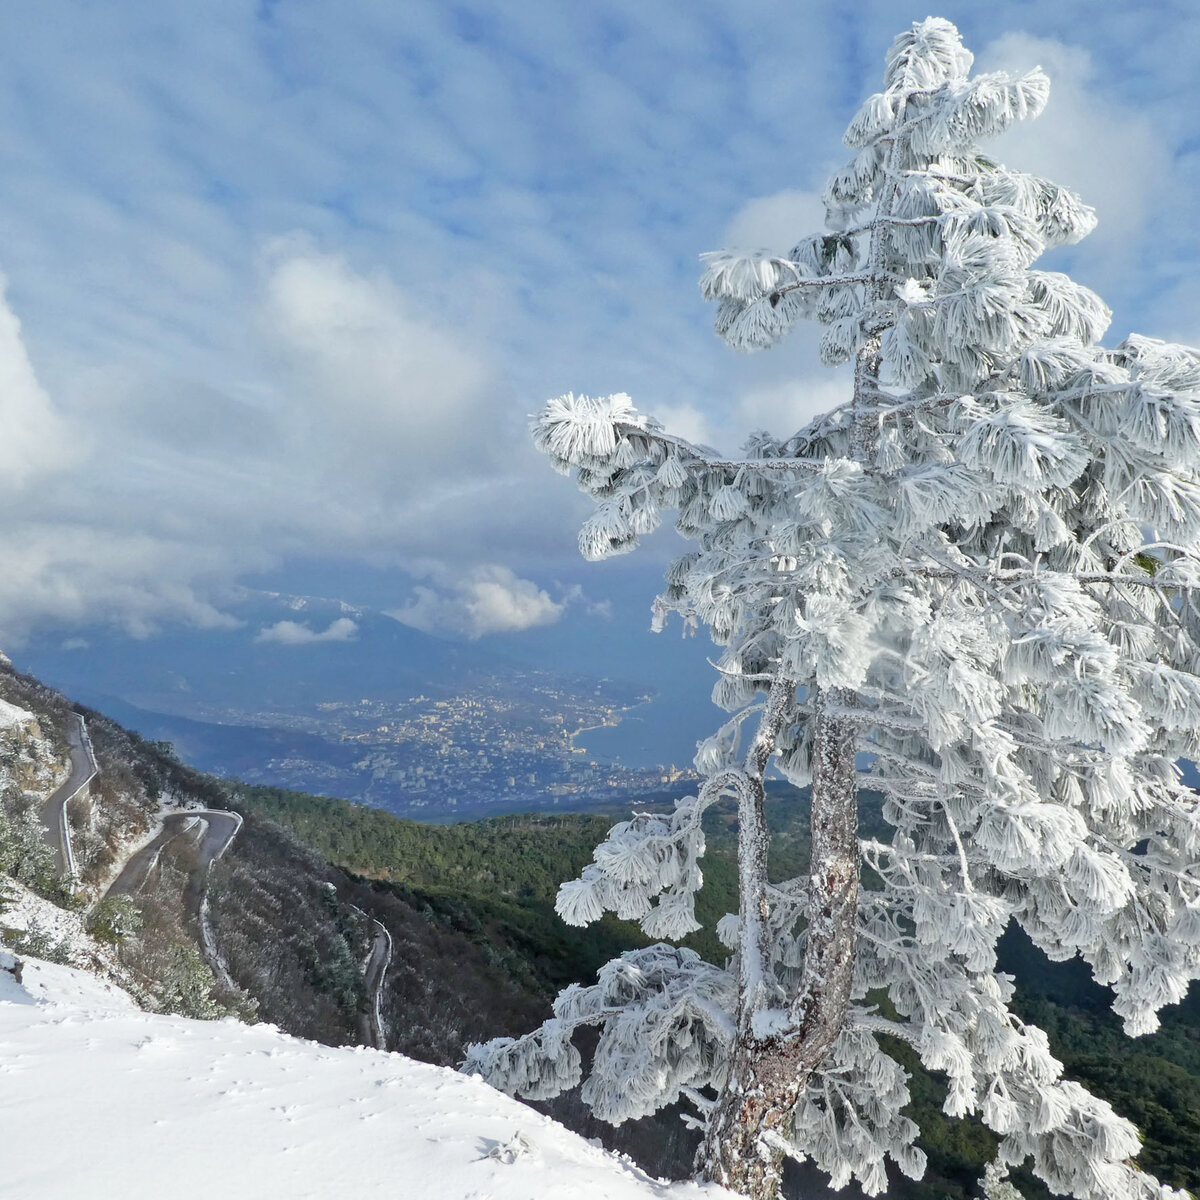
x: 393, y: 718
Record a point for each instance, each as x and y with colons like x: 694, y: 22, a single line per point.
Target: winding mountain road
x: 219, y: 830
x: 54, y: 811
x: 377, y: 965
x: 213, y: 830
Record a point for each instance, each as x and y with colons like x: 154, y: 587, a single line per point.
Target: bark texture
x: 768, y: 1074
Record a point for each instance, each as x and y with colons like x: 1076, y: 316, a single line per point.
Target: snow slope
x: 11, y: 715
x: 102, y: 1100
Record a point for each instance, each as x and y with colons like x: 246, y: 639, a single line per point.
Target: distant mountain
x: 287, y: 655
x: 224, y: 675
x: 240, y: 751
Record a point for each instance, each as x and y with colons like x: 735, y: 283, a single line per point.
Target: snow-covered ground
x: 101, y: 1100
x: 11, y: 715
x: 25, y: 911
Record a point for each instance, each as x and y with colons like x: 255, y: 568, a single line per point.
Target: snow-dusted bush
x: 23, y: 851
x: 981, y: 572
x: 39, y: 942
x: 114, y: 919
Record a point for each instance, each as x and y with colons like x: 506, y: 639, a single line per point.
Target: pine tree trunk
x: 768, y: 1074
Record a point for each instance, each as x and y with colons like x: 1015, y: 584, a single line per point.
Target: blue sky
x: 284, y: 278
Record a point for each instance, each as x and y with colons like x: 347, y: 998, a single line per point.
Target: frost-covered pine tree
x: 979, y: 577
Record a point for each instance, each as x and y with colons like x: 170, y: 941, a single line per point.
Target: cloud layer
x: 285, y: 281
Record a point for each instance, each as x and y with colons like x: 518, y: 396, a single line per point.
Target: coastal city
x: 501, y: 743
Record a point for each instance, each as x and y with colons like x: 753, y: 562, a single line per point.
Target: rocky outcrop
x: 28, y: 760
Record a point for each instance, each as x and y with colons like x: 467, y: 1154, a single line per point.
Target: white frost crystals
x: 981, y: 572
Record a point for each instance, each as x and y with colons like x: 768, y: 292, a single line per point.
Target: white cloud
x: 378, y: 387
x: 1114, y: 157
x: 367, y: 430
x: 35, y: 439
x: 294, y: 633
x: 776, y: 222
x: 780, y: 392
x: 783, y: 406
x: 489, y: 599
x: 71, y: 572
x: 575, y: 595
x: 688, y: 422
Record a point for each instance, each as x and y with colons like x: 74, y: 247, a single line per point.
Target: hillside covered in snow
x: 99, y: 1098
